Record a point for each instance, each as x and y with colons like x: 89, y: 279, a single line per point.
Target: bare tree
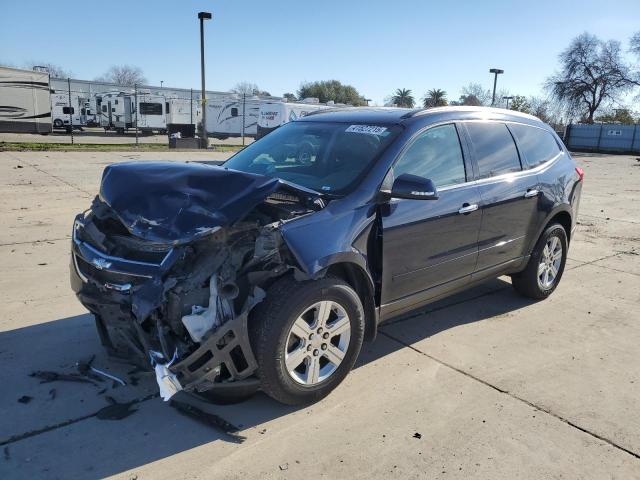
x: 249, y: 88
x: 127, y: 75
x: 475, y: 94
x: 635, y: 44
x: 592, y: 74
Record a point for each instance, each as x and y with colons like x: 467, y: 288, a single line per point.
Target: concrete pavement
x: 495, y: 386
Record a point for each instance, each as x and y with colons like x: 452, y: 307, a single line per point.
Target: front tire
x: 546, y: 265
x: 306, y: 337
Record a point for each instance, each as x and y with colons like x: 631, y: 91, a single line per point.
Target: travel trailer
x: 151, y: 111
x: 118, y: 112
x: 274, y: 114
x: 62, y: 114
x: 226, y: 116
x: 25, y: 103
x: 183, y: 115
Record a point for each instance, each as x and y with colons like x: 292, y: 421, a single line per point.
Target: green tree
x: 290, y: 97
x: 519, y: 103
x: 619, y: 115
x: 403, y: 98
x: 435, y: 97
x: 331, y: 90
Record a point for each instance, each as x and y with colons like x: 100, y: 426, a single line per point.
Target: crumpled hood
x: 171, y: 202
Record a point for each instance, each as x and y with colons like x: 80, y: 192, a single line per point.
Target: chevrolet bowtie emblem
x: 100, y: 263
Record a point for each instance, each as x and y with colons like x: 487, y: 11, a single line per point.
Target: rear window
x: 68, y: 110
x: 147, y: 108
x: 538, y: 146
x: 495, y: 149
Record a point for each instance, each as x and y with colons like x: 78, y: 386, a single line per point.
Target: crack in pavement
x: 62, y: 180
x: 608, y: 219
x: 515, y: 397
x: 35, y: 241
x: 71, y: 421
x: 591, y: 262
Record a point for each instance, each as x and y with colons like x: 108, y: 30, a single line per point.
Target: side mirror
x: 413, y: 187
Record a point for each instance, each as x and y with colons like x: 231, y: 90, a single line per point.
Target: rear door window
x: 495, y: 149
x: 435, y: 154
x: 537, y: 146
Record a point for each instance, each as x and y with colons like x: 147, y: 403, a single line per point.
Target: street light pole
x: 496, y: 72
x: 203, y: 16
x: 161, y: 82
x: 507, y: 99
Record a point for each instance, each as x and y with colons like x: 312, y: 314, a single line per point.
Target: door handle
x: 532, y: 192
x: 468, y: 208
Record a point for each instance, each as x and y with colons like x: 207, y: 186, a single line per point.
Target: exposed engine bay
x: 171, y: 269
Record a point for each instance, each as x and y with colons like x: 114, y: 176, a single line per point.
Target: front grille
x: 118, y: 242
x: 106, y: 277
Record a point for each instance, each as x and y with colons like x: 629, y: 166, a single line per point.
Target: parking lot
x: 94, y: 135
x: 485, y: 384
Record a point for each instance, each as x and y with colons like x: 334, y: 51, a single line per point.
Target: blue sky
x: 377, y: 46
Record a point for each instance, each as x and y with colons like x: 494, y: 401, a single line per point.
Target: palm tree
x: 435, y: 98
x: 403, y: 98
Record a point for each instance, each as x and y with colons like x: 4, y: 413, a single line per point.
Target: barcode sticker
x: 368, y: 129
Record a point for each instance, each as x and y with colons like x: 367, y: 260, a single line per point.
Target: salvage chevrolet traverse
x: 271, y: 270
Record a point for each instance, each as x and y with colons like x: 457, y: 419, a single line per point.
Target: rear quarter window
x: 537, y: 146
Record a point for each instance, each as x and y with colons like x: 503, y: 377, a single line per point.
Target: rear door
x: 509, y: 195
x: 427, y: 243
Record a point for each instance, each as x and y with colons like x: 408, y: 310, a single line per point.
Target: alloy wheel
x: 550, y: 262
x: 317, y: 342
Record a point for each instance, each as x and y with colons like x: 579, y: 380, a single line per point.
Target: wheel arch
x: 361, y: 282
x: 562, y: 215
x: 563, y: 218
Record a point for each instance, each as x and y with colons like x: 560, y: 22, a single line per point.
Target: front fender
x: 329, y: 237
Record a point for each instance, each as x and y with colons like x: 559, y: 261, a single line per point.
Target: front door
x: 429, y: 243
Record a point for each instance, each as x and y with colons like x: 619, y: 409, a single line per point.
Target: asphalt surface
x: 484, y: 384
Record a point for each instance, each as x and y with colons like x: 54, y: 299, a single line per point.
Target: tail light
x: 580, y: 173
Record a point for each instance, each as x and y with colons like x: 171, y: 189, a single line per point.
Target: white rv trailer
x: 25, y: 104
x: 62, y: 113
x: 226, y: 116
x: 183, y: 115
x: 274, y: 114
x: 118, y: 112
x: 151, y: 112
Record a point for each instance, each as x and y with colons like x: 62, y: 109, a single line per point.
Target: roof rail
x: 412, y: 113
x: 467, y: 108
x: 324, y: 110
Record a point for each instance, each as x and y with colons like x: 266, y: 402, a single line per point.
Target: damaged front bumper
x: 124, y: 294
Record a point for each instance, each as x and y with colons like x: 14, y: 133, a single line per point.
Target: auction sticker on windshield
x: 368, y: 129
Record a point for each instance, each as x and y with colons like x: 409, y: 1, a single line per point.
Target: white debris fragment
x: 204, y: 319
x: 168, y: 383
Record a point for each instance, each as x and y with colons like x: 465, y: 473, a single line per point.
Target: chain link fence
x: 101, y: 113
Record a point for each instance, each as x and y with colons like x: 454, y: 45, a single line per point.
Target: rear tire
x: 306, y: 337
x: 546, y: 265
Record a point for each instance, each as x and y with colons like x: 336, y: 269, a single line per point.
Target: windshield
x: 327, y: 157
